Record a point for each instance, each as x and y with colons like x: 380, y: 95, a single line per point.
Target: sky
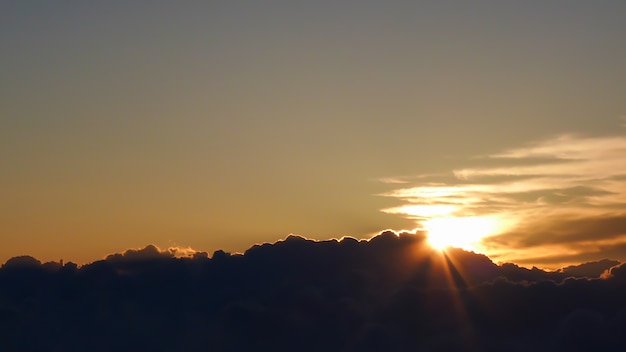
x: 220, y: 124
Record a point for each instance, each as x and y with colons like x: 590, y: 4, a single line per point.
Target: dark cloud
x: 566, y: 230
x: 153, y: 252
x: 590, y: 270
x: 392, y: 292
x: 595, y: 254
x: 149, y: 252
x: 22, y: 261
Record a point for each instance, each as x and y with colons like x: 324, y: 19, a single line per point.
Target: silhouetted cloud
x: 153, y: 252
x: 22, y: 261
x: 392, y: 292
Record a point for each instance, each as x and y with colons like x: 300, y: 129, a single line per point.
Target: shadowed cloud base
x: 390, y: 293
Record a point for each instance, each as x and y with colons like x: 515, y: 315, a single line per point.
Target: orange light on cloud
x: 512, y: 208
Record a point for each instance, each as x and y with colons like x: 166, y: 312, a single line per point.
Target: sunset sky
x: 220, y: 124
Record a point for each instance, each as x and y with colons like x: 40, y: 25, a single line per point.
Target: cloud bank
x: 557, y: 201
x: 390, y: 293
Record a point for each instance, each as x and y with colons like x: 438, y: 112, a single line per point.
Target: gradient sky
x: 220, y: 124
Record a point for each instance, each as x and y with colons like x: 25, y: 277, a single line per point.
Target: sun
x: 459, y: 232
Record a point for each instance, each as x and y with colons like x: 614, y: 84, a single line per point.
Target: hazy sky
x: 220, y: 124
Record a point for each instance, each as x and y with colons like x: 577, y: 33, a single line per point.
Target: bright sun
x: 462, y: 233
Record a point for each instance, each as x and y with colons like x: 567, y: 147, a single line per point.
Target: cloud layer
x: 562, y: 198
x: 390, y: 293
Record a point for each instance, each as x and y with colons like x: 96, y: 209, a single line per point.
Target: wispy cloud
x: 565, y: 196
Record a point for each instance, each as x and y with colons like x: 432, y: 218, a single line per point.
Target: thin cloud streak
x: 562, y: 197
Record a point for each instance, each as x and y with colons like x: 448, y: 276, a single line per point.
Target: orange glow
x: 465, y: 232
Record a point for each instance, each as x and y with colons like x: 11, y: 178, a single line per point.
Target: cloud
x: 566, y: 194
x: 392, y: 180
x: 390, y: 292
x: 184, y: 252
x: 153, y: 252
x: 569, y: 230
x: 23, y: 261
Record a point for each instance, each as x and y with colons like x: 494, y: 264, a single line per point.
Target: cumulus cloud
x: 565, y: 195
x: 183, y: 252
x: 153, y: 252
x: 23, y: 261
x: 391, y: 292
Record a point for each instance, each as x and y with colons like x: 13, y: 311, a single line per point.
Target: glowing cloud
x: 549, y: 199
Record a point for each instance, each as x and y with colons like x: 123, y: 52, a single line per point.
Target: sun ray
x: 455, y: 283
